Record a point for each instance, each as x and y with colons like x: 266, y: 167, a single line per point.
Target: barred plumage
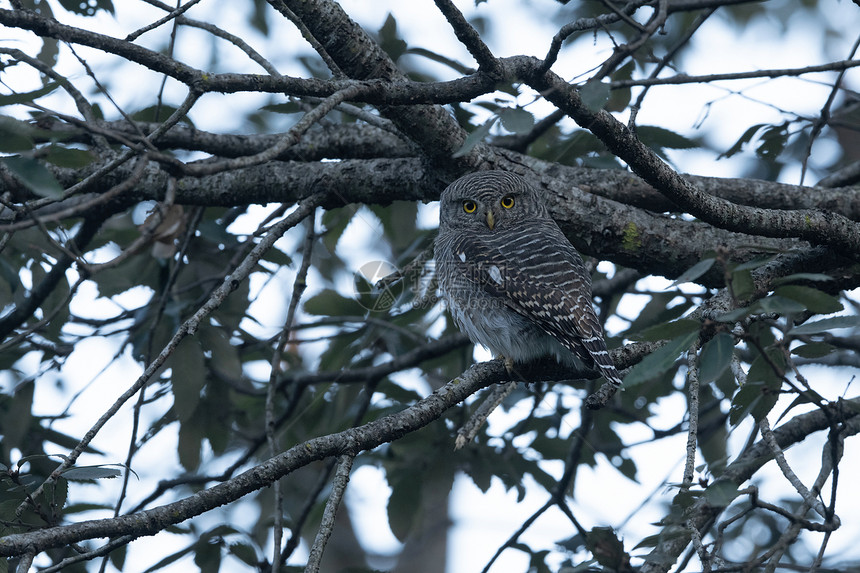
x: 512, y: 280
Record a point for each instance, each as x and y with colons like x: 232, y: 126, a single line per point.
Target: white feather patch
x: 496, y: 274
x: 462, y: 257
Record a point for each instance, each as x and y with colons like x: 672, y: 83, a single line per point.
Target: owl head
x: 490, y: 201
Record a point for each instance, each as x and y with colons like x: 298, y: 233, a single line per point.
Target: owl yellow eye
x: 469, y: 206
x: 508, y: 201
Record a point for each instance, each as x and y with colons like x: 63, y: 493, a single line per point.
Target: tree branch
x: 707, y: 78
x: 368, y: 436
x: 744, y: 467
x: 819, y: 227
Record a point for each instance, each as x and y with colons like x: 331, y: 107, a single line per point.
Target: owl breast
x: 488, y: 321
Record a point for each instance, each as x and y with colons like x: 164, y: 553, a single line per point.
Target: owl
x: 512, y: 281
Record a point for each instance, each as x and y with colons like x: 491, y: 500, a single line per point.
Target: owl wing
x: 557, y: 299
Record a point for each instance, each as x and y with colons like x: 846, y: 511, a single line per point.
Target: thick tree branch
x: 817, y: 226
x: 650, y: 242
x: 368, y: 436
x: 362, y: 141
x: 360, y: 57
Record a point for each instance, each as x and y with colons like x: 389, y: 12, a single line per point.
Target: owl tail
x: 596, y: 348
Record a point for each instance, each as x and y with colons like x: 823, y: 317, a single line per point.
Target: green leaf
x: 245, y: 552
x: 224, y: 356
x: 157, y: 113
x: 88, y: 8
x: 15, y: 135
x: 390, y: 42
x: 660, y: 360
x: 84, y: 507
x: 607, y: 548
x: 753, y: 263
x: 335, y: 222
x: 49, y: 52
x: 286, y: 107
x: 475, y: 137
x: 813, y: 350
x: 721, y: 493
x: 661, y: 138
x: 331, y: 303
x: 803, y: 277
x: 568, y: 148
x: 34, y: 176
x: 742, y: 284
x: 91, y: 472
x: 815, y: 300
x: 404, y: 500
x: 117, y: 557
x: 759, y: 395
x: 57, y: 494
x: 694, y: 272
x: 191, y: 435
x: 658, y: 311
x: 780, y: 305
x: 716, y: 357
x: 13, y: 99
x: 453, y: 64
x: 768, y: 370
x: 517, y: 120
x: 594, y: 95
x: 743, y: 140
x: 619, y: 99
x: 68, y: 157
x: 754, y: 398
x: 826, y: 324
x: 670, y: 330
x: 773, y: 141
x: 189, y: 377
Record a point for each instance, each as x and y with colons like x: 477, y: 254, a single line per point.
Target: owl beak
x: 491, y: 220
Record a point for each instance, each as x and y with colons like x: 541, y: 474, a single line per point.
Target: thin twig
x: 701, y: 550
x: 491, y: 401
x: 824, y: 116
x: 581, y: 25
x: 173, y: 14
x: 693, y: 425
x: 664, y: 61
x: 773, y: 73
x: 81, y: 102
x: 189, y: 327
x: 282, y: 7
x: 137, y: 174
x: 812, y: 501
x: 299, y: 285
x: 572, y: 462
x: 470, y: 38
x: 103, y: 550
x: 290, y: 138
x: 341, y: 479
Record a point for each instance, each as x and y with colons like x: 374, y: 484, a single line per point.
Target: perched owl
x: 512, y: 280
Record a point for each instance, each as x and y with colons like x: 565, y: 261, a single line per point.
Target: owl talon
x: 509, y: 365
